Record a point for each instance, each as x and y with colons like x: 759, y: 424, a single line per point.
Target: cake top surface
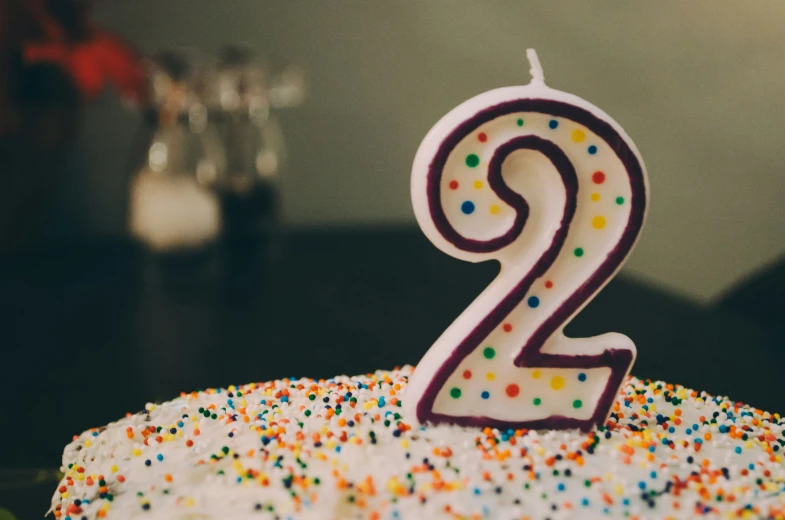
x: 341, y: 448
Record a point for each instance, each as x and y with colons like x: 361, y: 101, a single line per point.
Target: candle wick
x: 536, y: 68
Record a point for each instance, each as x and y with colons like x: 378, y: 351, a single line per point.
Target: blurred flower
x: 60, y: 32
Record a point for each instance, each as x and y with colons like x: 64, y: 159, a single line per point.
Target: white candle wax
x: 553, y: 189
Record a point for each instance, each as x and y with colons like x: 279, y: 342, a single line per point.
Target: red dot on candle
x: 598, y: 177
x: 482, y: 137
x: 548, y: 284
x: 453, y: 185
x: 512, y: 390
x: 467, y: 374
x: 507, y: 327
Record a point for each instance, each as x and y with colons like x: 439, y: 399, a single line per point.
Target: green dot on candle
x: 455, y: 393
x: 488, y: 352
x: 578, y: 252
x: 520, y: 122
x: 619, y: 200
x: 472, y: 160
x: 537, y: 401
x: 577, y: 403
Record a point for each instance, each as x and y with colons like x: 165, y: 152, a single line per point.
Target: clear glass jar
x: 241, y: 92
x: 173, y: 206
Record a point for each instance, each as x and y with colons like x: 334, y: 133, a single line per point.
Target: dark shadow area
x: 91, y: 331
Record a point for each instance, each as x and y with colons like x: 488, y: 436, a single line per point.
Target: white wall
x: 698, y: 85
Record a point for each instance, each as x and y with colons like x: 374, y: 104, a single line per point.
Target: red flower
x: 92, y: 63
x: 93, y: 59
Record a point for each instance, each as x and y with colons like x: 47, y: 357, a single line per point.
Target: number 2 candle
x: 553, y: 189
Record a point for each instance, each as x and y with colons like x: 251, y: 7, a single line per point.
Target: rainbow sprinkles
x: 552, y: 188
x: 344, y: 448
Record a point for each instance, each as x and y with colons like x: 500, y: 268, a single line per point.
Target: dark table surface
x: 91, y: 331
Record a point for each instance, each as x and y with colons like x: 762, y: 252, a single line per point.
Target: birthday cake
x: 344, y: 448
x: 505, y: 416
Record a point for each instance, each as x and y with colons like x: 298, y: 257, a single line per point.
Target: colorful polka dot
x: 557, y: 382
x: 455, y: 393
x: 536, y: 374
x: 598, y: 177
x: 619, y: 200
x: 578, y: 251
x: 598, y: 222
x: 467, y: 207
x: 467, y: 374
x: 495, y: 209
x: 488, y: 352
x: 512, y: 390
x: 472, y: 160
x: 578, y: 136
x: 485, y: 394
x: 577, y: 403
x: 533, y: 302
x: 477, y: 185
x: 520, y: 122
x: 482, y: 137
x: 453, y: 185
x: 490, y: 376
x: 548, y: 284
x: 592, y: 150
x: 507, y: 327
x: 553, y: 124
x: 595, y: 197
x: 537, y: 401
x: 581, y: 377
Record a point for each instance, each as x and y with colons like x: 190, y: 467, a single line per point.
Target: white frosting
x: 469, y: 473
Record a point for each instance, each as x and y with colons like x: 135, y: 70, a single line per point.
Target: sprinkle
x: 664, y: 447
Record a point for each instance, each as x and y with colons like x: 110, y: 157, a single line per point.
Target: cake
x: 343, y: 448
x: 505, y: 417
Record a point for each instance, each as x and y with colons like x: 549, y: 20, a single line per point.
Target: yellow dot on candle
x: 598, y: 222
x: 536, y: 374
x: 495, y: 209
x: 557, y: 383
x: 578, y: 135
x: 477, y: 185
x: 490, y: 376
x: 595, y: 197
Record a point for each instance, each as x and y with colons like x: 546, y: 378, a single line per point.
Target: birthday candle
x: 553, y: 189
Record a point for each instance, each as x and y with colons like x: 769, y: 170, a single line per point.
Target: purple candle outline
x: 530, y: 354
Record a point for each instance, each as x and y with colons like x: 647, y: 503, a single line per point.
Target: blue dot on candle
x: 467, y: 207
x: 553, y: 124
x: 534, y: 302
x: 592, y: 149
x: 485, y: 394
x: 581, y: 377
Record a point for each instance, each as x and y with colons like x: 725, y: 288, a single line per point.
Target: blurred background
x: 698, y: 87
x: 194, y: 191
